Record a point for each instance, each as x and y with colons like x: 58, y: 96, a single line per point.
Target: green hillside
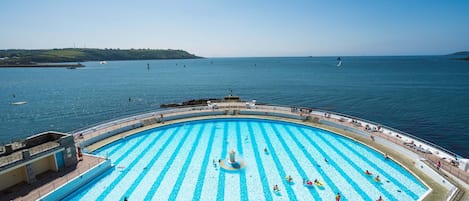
x: 87, y: 54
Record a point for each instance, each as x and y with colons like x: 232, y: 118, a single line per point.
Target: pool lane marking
x: 358, y: 169
x: 203, y: 166
x: 378, y: 186
x: 113, y: 149
x: 122, y: 157
x: 155, y: 158
x: 327, y: 180
x: 87, y: 188
x: 122, y: 144
x: 221, y: 174
x: 382, y: 172
x: 314, y: 163
x: 354, y: 166
x: 242, y: 174
x: 168, y: 164
x: 111, y: 186
x: 260, y: 166
x: 278, y: 165
x: 394, y: 166
x: 371, y: 181
x: 129, y: 142
x: 335, y: 166
x: 312, y: 191
x: 185, y: 167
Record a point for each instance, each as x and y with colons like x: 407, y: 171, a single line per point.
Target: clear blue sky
x: 241, y: 28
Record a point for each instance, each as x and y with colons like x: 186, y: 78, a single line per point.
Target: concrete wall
x: 183, y: 116
x: 291, y: 116
x: 12, y: 177
x: 42, y: 138
x: 109, y: 134
x: 70, y: 151
x: 345, y: 128
x: 53, y: 163
x: 41, y: 165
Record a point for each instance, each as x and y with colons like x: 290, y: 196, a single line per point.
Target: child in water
x: 337, y: 197
x: 276, y: 189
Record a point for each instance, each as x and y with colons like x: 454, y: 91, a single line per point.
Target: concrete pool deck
x: 408, y: 161
x: 50, y: 181
x: 440, y: 182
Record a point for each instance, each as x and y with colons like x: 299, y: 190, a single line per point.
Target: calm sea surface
x: 427, y: 96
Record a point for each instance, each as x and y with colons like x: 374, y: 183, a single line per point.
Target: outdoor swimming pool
x: 180, y: 162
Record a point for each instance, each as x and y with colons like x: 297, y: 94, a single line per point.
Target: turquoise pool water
x: 179, y: 162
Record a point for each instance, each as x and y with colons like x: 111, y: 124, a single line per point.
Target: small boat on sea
x: 103, y: 62
x: 339, y: 62
x: 19, y: 103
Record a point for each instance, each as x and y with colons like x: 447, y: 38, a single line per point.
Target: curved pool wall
x: 95, y: 133
x: 293, y: 149
x: 90, y: 135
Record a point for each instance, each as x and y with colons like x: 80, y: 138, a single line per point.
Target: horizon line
x: 260, y: 56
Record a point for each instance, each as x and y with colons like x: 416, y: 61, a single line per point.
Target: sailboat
x: 339, y: 62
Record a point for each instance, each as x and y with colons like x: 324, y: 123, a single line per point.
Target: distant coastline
x: 463, y: 55
x: 57, y: 57
x: 46, y: 65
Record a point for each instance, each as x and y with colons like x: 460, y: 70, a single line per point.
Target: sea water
x: 423, y: 95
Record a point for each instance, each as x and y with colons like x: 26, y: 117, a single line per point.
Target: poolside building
x: 22, y: 162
